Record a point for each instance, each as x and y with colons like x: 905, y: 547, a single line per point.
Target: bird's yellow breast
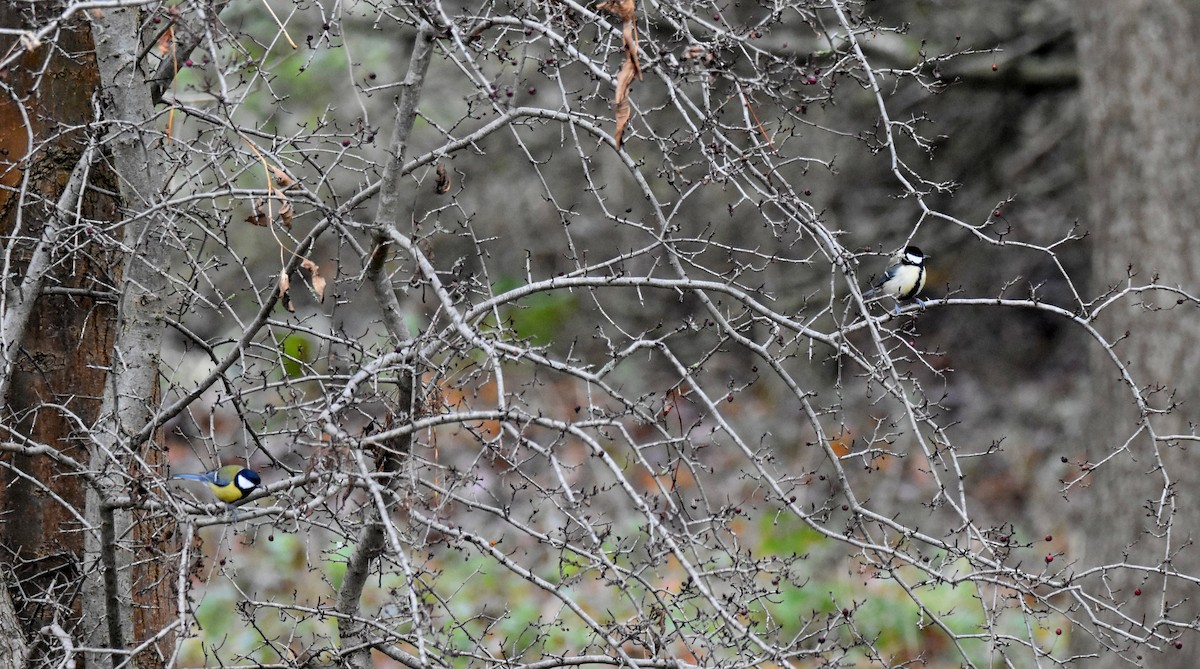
x: 226, y: 493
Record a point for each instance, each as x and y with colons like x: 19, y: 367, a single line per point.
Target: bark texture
x: 67, y: 547
x: 1139, y: 66
x: 58, y: 367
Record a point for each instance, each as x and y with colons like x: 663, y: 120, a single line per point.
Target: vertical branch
x: 372, y: 539
x: 131, y: 391
x: 390, y: 204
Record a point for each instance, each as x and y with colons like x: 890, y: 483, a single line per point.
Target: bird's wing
x: 224, y: 475
x: 887, y: 275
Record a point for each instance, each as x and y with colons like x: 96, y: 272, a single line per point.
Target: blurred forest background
x: 590, y: 404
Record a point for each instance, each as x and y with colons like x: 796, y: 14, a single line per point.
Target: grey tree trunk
x: 1140, y: 67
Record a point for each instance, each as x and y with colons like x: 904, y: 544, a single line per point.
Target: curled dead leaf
x: 442, y: 185
x: 623, y: 9
x: 282, y: 180
x: 318, y: 281
x: 285, y: 213
x: 259, y: 217
x: 631, y: 68
x: 284, y: 285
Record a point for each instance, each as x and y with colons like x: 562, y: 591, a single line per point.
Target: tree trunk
x: 56, y: 369
x: 1139, y: 65
x: 69, y: 276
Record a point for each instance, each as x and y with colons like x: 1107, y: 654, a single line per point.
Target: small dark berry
x: 1049, y: 537
x: 996, y: 213
x: 845, y: 507
x: 345, y: 142
x: 995, y: 67
x: 1178, y: 645
x: 371, y: 75
x: 1049, y: 559
x: 1058, y: 631
x: 187, y: 63
x: 1137, y: 592
x: 1064, y: 459
x: 532, y: 90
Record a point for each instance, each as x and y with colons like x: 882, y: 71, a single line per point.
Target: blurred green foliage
x: 821, y: 578
x: 538, y: 317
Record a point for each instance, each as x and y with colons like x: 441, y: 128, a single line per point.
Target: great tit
x: 229, y: 483
x: 904, y: 279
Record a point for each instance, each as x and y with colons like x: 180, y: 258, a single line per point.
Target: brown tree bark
x: 1139, y: 68
x: 59, y: 365
x: 59, y: 376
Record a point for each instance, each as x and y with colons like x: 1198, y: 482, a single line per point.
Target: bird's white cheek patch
x: 244, y: 483
x: 912, y: 259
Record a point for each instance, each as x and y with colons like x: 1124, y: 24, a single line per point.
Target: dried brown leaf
x: 165, y: 40
x: 259, y: 217
x: 621, y: 101
x: 318, y: 281
x: 442, y: 185
x: 282, y: 179
x: 624, y: 9
x: 284, y: 285
x: 285, y: 213
x: 631, y: 68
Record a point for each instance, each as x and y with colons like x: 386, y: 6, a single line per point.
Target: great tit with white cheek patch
x: 904, y: 279
x: 229, y: 483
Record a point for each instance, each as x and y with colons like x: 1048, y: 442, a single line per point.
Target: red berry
x: 1058, y: 631
x: 1137, y: 592
x: 1049, y: 537
x: 1178, y: 645
x: 345, y: 142
x: 1049, y: 559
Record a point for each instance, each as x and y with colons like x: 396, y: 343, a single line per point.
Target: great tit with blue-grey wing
x: 229, y: 483
x: 904, y: 279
